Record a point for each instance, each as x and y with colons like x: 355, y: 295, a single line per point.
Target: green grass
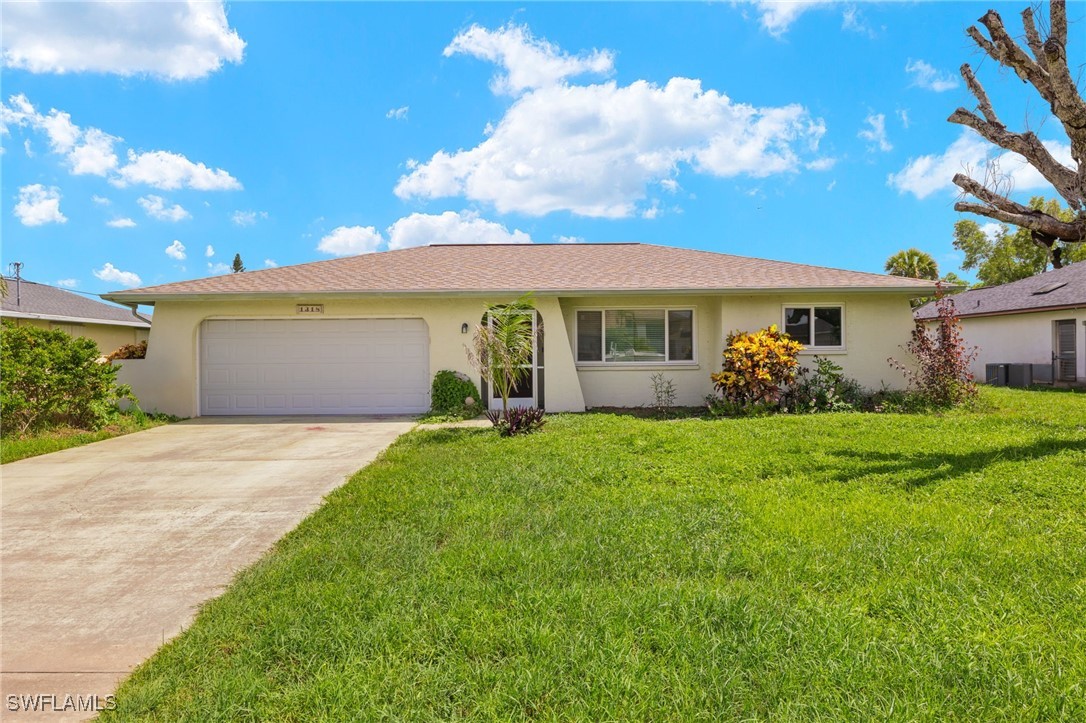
x: 13, y: 449
x: 833, y: 567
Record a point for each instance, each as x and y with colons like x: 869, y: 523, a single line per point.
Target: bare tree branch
x: 1049, y: 73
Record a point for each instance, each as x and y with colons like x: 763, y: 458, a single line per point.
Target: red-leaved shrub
x: 941, y: 377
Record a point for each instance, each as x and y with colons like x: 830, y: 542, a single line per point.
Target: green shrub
x: 826, y: 389
x: 48, y: 378
x: 451, y: 391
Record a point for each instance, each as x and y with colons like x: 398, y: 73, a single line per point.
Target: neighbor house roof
x: 30, y: 300
x: 1057, y: 289
x: 517, y: 268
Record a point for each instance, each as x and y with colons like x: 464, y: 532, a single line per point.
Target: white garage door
x: 314, y: 366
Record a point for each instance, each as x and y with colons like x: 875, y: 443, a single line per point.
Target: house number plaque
x: 310, y: 308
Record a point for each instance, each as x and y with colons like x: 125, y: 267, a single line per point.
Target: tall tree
x: 1046, y: 68
x: 1002, y: 256
x: 237, y: 267
x: 914, y: 264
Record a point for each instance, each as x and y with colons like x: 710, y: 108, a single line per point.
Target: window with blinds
x: 637, y: 336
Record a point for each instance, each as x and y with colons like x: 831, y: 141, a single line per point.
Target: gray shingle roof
x: 544, y: 268
x: 48, y: 302
x: 1056, y: 289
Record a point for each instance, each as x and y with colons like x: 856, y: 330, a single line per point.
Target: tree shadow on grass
x: 913, y: 470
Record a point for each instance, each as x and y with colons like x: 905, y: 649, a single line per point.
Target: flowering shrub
x: 129, y: 351
x: 941, y: 377
x: 756, y: 366
x: 516, y: 420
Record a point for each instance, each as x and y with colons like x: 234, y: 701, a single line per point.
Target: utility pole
x: 16, y: 267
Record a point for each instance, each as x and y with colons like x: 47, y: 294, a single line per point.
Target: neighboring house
x: 365, y: 334
x: 1031, y: 321
x: 31, y: 304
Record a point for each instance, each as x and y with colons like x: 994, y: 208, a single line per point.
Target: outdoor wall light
x: 464, y: 328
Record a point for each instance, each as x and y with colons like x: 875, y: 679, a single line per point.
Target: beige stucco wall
x: 1021, y: 338
x: 876, y: 325
x: 107, y: 336
x: 168, y: 380
x: 631, y: 386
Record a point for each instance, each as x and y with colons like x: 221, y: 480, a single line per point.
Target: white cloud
x: 90, y: 152
x: 101, y: 200
x: 176, y: 251
x: 571, y: 239
x: 875, y: 133
x: 218, y: 268
x: 28, y: 148
x: 853, y: 20
x: 350, y: 240
x: 926, y: 76
x: 166, y: 170
x: 420, y: 229
x: 112, y: 274
x: 248, y: 218
x: 593, y: 150
x: 972, y: 155
x: 87, y: 152
x: 68, y: 283
x: 528, y: 62
x: 398, y: 113
x: 209, y: 251
x: 156, y: 208
x: 39, y: 205
x: 177, y: 41
x: 821, y: 164
x: 994, y: 231
x: 121, y: 223
x: 903, y: 116
x: 831, y: 185
x: 270, y: 263
x: 777, y: 16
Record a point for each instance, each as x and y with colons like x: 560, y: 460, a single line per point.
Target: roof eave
x: 74, y: 319
x: 127, y: 297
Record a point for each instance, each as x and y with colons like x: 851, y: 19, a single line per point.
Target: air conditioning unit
x: 995, y: 374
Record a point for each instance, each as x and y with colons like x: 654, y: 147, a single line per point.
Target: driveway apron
x: 109, y: 549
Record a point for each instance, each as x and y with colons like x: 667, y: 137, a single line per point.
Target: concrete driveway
x: 108, y: 549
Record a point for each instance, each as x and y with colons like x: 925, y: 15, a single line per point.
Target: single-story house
x: 365, y: 334
x: 32, y: 304
x: 1035, y: 321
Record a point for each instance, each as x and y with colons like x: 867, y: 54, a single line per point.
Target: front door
x: 529, y: 392
x: 1063, y: 355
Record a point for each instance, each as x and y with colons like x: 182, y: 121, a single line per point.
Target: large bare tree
x: 1047, y: 69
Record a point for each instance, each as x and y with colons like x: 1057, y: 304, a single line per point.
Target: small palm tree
x: 502, y: 346
x: 913, y: 264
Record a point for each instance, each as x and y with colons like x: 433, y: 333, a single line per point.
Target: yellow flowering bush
x: 756, y: 366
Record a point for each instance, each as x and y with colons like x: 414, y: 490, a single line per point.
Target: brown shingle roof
x: 544, y: 268
x: 1056, y: 289
x: 48, y: 302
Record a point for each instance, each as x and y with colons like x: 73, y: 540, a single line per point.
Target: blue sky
x: 149, y: 143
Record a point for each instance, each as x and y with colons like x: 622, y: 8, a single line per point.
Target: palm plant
x: 914, y: 264
x: 502, y: 346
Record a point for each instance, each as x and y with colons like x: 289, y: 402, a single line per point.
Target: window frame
x: 604, y: 364
x: 812, y: 305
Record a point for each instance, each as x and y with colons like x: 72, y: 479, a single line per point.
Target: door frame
x: 494, y: 402
x: 1059, y: 356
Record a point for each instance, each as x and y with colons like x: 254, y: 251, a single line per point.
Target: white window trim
x: 603, y: 364
x: 812, y: 305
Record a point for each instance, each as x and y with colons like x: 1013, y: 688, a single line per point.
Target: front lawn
x: 53, y: 440
x: 834, y: 567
